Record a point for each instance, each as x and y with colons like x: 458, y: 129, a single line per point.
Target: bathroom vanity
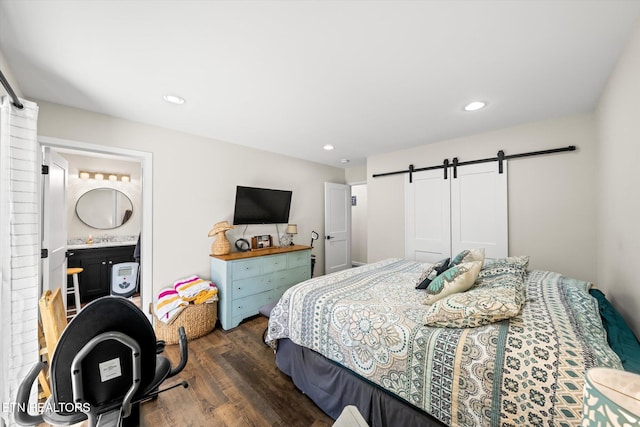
x: 97, y: 262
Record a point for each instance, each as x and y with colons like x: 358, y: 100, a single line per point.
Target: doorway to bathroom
x: 107, y: 216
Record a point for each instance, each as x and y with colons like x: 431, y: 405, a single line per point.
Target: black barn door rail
x: 14, y: 98
x: 500, y: 157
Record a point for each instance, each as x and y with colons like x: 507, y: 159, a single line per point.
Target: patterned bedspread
x: 527, y: 370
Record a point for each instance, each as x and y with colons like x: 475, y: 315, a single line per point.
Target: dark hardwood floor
x: 233, y: 381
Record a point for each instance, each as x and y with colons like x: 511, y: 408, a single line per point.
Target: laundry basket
x: 197, y: 319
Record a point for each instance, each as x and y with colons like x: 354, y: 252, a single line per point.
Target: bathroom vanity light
x: 99, y: 176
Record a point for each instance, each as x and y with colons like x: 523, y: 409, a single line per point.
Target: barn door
x: 446, y: 216
x: 479, y: 210
x: 427, y: 221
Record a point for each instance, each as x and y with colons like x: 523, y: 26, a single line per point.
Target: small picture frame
x: 261, y: 242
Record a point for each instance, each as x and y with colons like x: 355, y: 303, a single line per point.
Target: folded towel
x: 169, y: 305
x: 190, y: 287
x: 208, y: 296
x: 195, y: 289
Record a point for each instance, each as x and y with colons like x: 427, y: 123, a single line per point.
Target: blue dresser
x: 248, y: 280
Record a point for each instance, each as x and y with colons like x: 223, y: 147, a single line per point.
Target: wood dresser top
x: 260, y: 252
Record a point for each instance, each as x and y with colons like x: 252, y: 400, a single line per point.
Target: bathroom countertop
x: 100, y: 245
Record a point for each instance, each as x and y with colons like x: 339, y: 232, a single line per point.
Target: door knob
x: 329, y: 237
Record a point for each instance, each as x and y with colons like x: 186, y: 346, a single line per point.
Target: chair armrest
x: 184, y: 352
x: 21, y: 412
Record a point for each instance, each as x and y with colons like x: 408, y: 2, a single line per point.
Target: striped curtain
x: 19, y: 247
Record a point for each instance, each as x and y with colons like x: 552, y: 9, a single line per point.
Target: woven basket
x: 198, y: 320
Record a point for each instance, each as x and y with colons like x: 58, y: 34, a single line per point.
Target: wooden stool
x: 75, y: 289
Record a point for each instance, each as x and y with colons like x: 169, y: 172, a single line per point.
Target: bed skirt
x: 333, y: 387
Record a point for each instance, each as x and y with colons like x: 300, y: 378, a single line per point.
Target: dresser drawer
x: 287, y: 278
x: 278, y: 279
x: 278, y: 292
x: 249, y: 268
x: 274, y: 263
x: 300, y: 274
x: 298, y: 259
x: 248, y: 306
x: 248, y: 286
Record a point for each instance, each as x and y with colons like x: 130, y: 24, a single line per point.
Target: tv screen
x: 261, y: 206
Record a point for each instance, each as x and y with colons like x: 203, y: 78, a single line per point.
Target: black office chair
x: 106, y: 362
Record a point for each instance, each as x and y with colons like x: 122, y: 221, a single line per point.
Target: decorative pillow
x: 498, y: 297
x: 456, y: 279
x: 468, y: 255
x: 515, y: 261
x: 496, y: 267
x: 431, y: 273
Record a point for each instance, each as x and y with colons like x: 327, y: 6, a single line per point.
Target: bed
x: 513, y: 353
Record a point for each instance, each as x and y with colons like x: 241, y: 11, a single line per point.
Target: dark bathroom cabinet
x: 95, y: 280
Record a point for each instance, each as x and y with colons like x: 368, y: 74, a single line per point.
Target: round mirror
x: 104, y: 208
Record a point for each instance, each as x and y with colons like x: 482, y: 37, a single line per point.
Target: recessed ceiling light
x: 344, y: 161
x: 475, y: 106
x: 173, y: 99
x: 328, y: 147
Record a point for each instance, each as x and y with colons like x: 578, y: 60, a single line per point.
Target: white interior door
x: 479, y: 210
x: 427, y: 218
x: 54, y: 223
x: 337, y: 227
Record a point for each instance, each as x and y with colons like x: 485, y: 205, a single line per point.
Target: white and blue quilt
x: 527, y: 370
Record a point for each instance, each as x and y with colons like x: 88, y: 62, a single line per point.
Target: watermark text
x: 40, y: 407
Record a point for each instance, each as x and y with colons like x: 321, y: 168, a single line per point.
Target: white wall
x: 359, y: 224
x: 8, y: 74
x: 618, y: 167
x: 551, y: 198
x: 356, y: 174
x: 194, y: 185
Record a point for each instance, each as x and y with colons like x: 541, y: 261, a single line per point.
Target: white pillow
x: 468, y: 255
x: 458, y: 278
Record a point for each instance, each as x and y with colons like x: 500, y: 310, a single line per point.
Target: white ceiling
x: 290, y: 76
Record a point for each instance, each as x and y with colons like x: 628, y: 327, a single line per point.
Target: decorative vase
x: 221, y: 246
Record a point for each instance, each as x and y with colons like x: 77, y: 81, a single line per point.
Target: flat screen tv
x: 261, y: 206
